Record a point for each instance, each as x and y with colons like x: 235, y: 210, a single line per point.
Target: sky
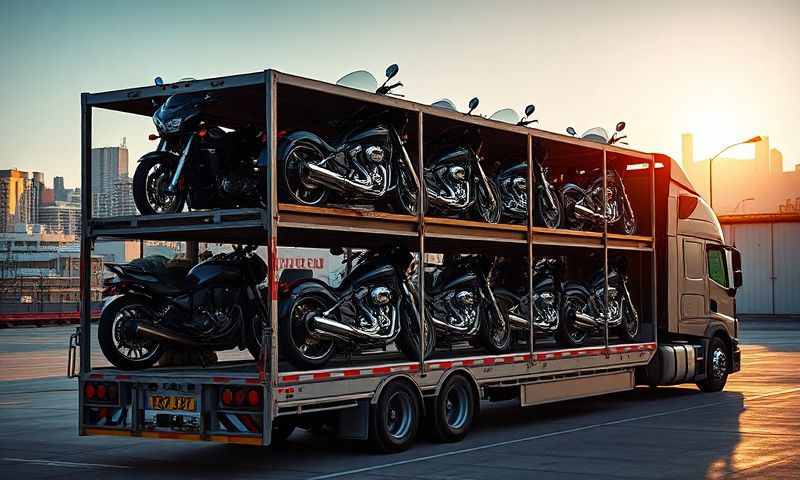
x: 724, y: 71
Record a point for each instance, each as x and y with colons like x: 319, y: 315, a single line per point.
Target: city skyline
x: 583, y: 65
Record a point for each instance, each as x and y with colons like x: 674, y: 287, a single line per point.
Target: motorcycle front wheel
x: 150, y: 182
x: 408, y: 341
x: 495, y: 332
x: 550, y: 216
x: 628, y: 223
x: 304, y: 349
x: 568, y: 335
x: 486, y: 212
x: 294, y: 178
x: 570, y: 195
x: 117, y: 337
x: 630, y: 322
x: 406, y: 194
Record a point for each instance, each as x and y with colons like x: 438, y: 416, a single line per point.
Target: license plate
x: 173, y: 402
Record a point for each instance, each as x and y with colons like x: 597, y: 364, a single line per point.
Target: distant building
x: 37, y: 192
x: 109, y: 164
x: 122, y: 198
x: 757, y: 185
x: 60, y: 193
x: 15, y: 198
x: 62, y: 217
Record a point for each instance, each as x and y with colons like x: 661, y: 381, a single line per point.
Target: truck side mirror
x: 736, y: 260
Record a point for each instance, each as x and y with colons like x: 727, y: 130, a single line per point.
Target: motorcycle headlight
x: 173, y: 125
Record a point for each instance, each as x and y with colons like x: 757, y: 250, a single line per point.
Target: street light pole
x: 755, y: 139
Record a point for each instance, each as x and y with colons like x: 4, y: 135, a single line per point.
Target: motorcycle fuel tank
x: 213, y: 273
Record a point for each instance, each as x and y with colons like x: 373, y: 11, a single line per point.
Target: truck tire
x: 453, y: 410
x: 717, y: 363
x: 394, y: 419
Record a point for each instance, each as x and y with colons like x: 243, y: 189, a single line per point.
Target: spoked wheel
x: 454, y: 409
x: 303, y: 348
x: 487, y: 212
x: 295, y: 177
x: 495, y: 331
x: 550, y: 216
x: 117, y: 334
x: 630, y: 322
x: 150, y: 182
x: 406, y: 193
x: 570, y: 195
x: 568, y: 334
x: 394, y: 419
x: 408, y: 339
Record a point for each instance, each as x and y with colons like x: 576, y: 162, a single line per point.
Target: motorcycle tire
x: 629, y: 328
x: 403, y: 195
x: 540, y: 218
x: 142, y: 179
x: 494, y: 342
x: 627, y: 224
x: 408, y: 339
x: 568, y: 336
x: 291, y: 330
x: 570, y: 194
x: 108, y: 330
x: 489, y: 215
x: 253, y: 335
x: 292, y: 185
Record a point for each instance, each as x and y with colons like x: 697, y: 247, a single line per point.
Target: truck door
x: 720, y: 286
x: 692, y: 287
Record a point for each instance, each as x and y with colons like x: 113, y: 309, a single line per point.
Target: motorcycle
x: 511, y: 291
x: 455, y: 182
x: 583, y: 206
x: 582, y: 308
x: 369, y: 163
x: 150, y: 305
x: 460, y: 302
x: 371, y: 308
x: 198, y: 163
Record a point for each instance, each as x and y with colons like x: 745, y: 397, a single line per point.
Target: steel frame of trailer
x: 298, y: 392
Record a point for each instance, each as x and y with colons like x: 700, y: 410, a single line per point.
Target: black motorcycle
x: 460, y: 302
x: 455, y: 182
x: 150, y: 304
x: 511, y: 291
x: 197, y: 162
x: 582, y: 307
x: 368, y: 163
x: 583, y: 205
x: 372, y: 307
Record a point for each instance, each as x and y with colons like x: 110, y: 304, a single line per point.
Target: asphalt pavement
x: 750, y: 430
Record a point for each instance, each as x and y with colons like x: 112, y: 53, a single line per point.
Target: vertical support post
x: 422, y: 199
x: 605, y: 250
x: 192, y: 251
x: 141, y: 248
x: 86, y: 238
x: 531, y: 201
x: 654, y: 263
x: 269, y: 350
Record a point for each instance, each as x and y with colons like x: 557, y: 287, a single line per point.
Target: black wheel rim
x: 498, y: 327
x: 300, y: 187
x: 307, y: 344
x: 157, y: 180
x: 550, y: 214
x: 399, y: 415
x: 575, y: 305
x: 129, y: 346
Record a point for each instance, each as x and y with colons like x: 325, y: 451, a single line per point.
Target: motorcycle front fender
x: 166, y: 157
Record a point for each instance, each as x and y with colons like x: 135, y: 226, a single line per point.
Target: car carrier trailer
x: 684, y: 281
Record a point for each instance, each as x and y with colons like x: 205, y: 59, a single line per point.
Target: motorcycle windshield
x: 444, y: 103
x: 596, y: 134
x: 507, y: 115
x: 360, y: 80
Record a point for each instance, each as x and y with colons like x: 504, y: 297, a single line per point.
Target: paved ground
x: 751, y: 430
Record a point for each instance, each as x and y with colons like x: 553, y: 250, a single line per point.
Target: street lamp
x: 755, y: 139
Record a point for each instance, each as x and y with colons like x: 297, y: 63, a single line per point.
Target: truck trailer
x: 684, y: 281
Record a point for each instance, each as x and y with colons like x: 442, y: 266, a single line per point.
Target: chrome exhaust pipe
x: 587, y: 212
x: 337, y: 182
x: 329, y: 327
x: 518, y: 322
x: 586, y: 322
x: 165, y: 336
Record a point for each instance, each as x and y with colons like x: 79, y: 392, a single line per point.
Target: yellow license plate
x: 169, y: 402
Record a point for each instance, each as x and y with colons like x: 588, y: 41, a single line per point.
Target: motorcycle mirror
x: 529, y: 110
x: 337, y: 251
x: 158, y: 81
x: 391, y: 71
x: 473, y: 104
x: 571, y: 131
x: 620, y: 126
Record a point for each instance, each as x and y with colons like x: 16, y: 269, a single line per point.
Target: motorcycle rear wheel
x: 293, y: 178
x: 150, y: 180
x: 486, y: 213
x: 302, y: 349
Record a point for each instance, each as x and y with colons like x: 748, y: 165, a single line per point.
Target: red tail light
x: 89, y: 391
x: 101, y: 392
x: 254, y: 398
x: 227, y: 396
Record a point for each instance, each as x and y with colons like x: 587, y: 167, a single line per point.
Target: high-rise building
x: 122, y: 198
x: 59, y: 192
x: 15, y: 198
x: 109, y: 164
x: 37, y: 194
x: 62, y: 217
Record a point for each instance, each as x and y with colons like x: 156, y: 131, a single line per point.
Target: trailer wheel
x: 453, y: 410
x: 394, y: 419
x: 717, y: 363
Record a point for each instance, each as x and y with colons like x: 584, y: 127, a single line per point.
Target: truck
x: 683, y: 279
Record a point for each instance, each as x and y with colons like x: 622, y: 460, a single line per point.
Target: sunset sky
x: 724, y: 71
